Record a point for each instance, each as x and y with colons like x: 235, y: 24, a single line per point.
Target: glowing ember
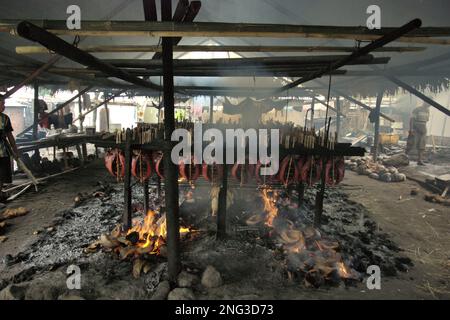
x: 343, y: 270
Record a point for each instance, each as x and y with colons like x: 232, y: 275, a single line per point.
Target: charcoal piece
x: 133, y: 237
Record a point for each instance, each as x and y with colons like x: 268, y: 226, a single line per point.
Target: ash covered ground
x: 250, y: 264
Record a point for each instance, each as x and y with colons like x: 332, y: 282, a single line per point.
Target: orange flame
x: 343, y: 270
x: 269, y: 207
x: 152, y: 232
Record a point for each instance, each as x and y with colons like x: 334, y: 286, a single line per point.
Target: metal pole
x: 170, y: 169
x: 376, y: 139
x: 126, y: 217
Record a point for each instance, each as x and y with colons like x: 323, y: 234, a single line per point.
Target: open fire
x: 146, y: 237
x: 309, y: 255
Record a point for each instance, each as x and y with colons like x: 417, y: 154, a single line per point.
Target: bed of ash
x: 271, y: 248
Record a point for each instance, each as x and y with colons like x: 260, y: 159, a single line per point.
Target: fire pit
x: 272, y: 245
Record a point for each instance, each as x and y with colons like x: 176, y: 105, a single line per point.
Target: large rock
x: 13, y: 292
x: 162, y: 290
x: 186, y: 279
x: 211, y: 278
x: 181, y: 294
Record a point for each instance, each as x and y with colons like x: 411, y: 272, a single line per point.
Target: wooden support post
x: 80, y: 109
x: 338, y: 117
x: 80, y: 154
x: 66, y: 161
x: 146, y: 196
x: 211, y: 109
x: 222, y: 210
x: 170, y: 169
x: 312, y: 111
x: 36, y: 111
x: 84, y: 151
x: 126, y: 217
x: 377, y: 111
x: 107, y: 116
x: 94, y: 119
x: 320, y: 195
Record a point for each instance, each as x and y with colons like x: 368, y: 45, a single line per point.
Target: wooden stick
x: 202, y: 48
x: 39, y: 180
x: 15, y: 196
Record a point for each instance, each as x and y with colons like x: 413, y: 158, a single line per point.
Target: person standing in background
x: 5, y: 158
x: 418, y: 131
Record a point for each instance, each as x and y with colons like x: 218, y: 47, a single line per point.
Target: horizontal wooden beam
x: 247, y: 62
x: 34, y: 33
x: 203, y: 48
x: 212, y: 72
x: 427, y: 35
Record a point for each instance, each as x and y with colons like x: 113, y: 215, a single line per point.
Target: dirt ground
x: 56, y: 194
x: 420, y: 228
